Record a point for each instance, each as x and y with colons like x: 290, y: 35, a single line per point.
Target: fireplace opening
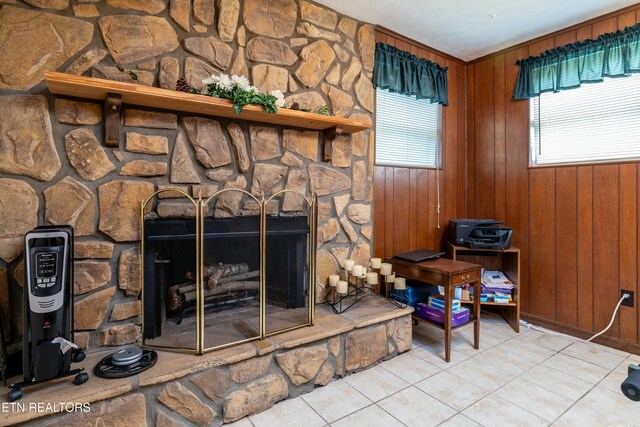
x: 231, y: 291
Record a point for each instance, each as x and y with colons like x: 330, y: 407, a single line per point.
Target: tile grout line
x: 410, y: 384
x: 313, y: 409
x: 363, y: 408
x: 391, y: 415
x: 357, y: 391
x: 590, y: 390
x: 414, y: 385
x: 408, y: 352
x: 539, y: 363
x: 450, y: 373
x: 451, y: 417
x: 579, y: 399
x: 508, y: 382
x: 575, y: 401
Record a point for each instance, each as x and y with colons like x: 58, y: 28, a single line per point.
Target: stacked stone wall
x: 56, y: 169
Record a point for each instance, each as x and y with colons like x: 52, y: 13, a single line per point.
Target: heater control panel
x: 45, y: 269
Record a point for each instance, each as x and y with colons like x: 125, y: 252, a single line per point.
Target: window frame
x: 531, y: 143
x: 439, y: 143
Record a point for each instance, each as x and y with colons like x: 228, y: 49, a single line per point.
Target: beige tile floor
x: 526, y: 379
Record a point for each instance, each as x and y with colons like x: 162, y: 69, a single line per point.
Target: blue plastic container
x: 416, y: 292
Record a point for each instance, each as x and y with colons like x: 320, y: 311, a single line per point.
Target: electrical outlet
x: 628, y: 301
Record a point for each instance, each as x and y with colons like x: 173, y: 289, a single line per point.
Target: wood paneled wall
x: 405, y: 199
x: 576, y: 226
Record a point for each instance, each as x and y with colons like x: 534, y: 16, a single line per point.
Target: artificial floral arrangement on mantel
x: 239, y: 90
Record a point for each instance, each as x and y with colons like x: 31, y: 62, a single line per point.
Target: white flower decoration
x: 242, y: 82
x: 280, y: 102
x: 225, y: 82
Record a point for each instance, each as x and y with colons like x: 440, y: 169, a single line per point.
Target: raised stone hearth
x: 226, y: 385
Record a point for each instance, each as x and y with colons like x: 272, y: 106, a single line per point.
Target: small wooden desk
x: 449, y: 274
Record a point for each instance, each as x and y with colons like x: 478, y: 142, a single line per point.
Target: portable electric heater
x: 631, y: 385
x: 48, y: 309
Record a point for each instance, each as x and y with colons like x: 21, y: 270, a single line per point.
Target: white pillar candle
x: 348, y: 264
x: 391, y: 278
x: 372, y: 278
x: 376, y: 262
x: 385, y: 268
x: 341, y: 287
x: 400, y: 283
x: 333, y: 279
x: 357, y: 271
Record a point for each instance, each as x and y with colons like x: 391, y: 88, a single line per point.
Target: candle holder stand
x: 387, y: 283
x: 376, y: 288
x: 358, y: 290
x: 401, y: 300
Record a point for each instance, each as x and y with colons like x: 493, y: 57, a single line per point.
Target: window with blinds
x: 594, y: 123
x: 407, y: 131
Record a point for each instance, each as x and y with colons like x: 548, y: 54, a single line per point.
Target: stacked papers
x: 496, y: 281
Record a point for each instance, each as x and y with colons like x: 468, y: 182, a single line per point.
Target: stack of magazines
x: 497, y: 287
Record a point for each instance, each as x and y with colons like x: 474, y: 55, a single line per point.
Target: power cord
x: 530, y: 326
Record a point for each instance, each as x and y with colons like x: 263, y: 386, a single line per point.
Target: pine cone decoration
x: 182, y: 85
x: 295, y: 106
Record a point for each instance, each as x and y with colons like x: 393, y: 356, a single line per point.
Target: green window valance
x: 401, y: 72
x: 610, y: 55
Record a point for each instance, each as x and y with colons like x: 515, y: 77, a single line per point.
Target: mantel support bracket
x: 112, y: 109
x: 328, y: 135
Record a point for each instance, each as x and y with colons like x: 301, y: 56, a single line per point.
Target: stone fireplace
x: 55, y: 165
x: 57, y: 168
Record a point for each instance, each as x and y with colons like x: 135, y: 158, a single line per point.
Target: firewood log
x: 174, y: 301
x: 222, y: 289
x: 212, y: 283
x: 218, y: 271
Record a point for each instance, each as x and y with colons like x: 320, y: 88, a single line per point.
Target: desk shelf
x: 507, y: 261
x: 449, y: 274
x: 500, y: 304
x: 417, y: 319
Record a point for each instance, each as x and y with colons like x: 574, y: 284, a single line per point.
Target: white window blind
x: 594, y: 123
x: 407, y: 131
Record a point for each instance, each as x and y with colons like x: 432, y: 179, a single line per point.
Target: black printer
x: 479, y: 233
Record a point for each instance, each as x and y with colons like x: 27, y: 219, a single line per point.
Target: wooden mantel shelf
x: 146, y: 96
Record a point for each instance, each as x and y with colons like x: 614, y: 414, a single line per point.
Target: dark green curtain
x: 567, y: 67
x: 402, y: 72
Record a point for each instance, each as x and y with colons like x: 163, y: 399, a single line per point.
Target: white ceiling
x: 469, y: 29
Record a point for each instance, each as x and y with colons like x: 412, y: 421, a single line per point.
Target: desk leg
x: 477, y: 290
x: 448, y: 302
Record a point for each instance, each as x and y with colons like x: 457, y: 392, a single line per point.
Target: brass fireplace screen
x: 217, y: 274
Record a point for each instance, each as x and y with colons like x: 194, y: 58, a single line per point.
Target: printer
x: 479, y: 233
